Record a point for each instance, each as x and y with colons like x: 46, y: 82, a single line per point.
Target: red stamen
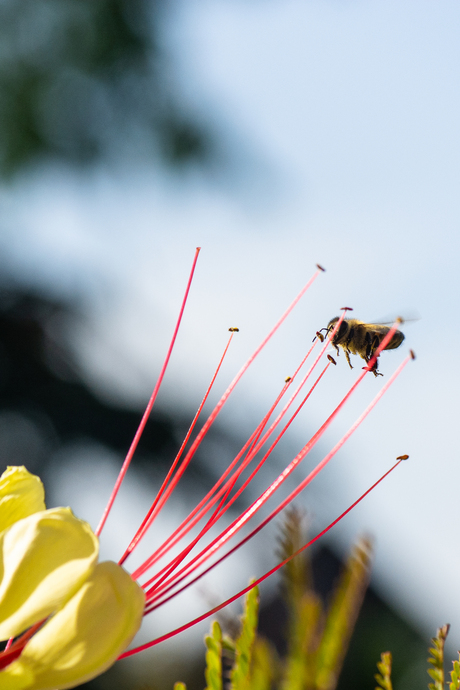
x: 201, y: 509
x: 237, y: 524
x: 241, y: 593
x: 149, y: 518
x: 206, y: 504
x: 208, y: 501
x: 232, y: 385
x: 14, y: 649
x: 222, y: 509
x: 148, y: 409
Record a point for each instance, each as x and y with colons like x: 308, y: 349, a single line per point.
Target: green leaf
x: 240, y: 675
x: 305, y: 629
x: 342, y: 614
x: 383, y: 678
x: 455, y: 675
x: 213, y: 671
x: 437, y: 659
x: 296, y: 574
x: 264, y: 665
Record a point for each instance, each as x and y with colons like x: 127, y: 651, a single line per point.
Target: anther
x: 234, y: 329
x: 331, y: 359
x: 412, y: 354
x: 287, y: 379
x: 320, y: 268
x: 347, y: 308
x: 402, y: 457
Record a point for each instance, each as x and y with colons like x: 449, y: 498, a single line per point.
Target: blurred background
x: 275, y: 135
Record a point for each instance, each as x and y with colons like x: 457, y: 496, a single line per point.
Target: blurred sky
x: 340, y: 121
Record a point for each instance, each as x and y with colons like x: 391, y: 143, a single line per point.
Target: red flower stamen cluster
x: 181, y: 571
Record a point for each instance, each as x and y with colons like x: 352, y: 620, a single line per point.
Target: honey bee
x: 360, y: 338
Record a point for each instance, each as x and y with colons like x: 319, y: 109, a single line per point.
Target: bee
x: 360, y: 338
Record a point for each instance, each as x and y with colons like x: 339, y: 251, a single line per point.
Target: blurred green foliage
x: 82, y: 80
x: 317, y: 636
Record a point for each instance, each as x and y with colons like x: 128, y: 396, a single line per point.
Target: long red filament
x: 148, y: 409
x: 202, y: 433
x: 146, y: 523
x: 251, y: 453
x: 154, y: 593
x: 220, y: 496
x: 230, y: 388
x: 266, y: 575
x: 247, y: 515
x: 206, y: 503
x: 222, y: 509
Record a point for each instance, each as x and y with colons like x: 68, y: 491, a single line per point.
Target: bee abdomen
x: 395, y: 341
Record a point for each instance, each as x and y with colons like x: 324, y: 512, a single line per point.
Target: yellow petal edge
x: 44, y: 558
x: 84, y: 637
x: 21, y: 495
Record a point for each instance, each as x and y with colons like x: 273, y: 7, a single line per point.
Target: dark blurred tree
x: 82, y: 80
x: 45, y: 402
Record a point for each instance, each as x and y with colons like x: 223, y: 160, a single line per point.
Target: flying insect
x: 360, y: 338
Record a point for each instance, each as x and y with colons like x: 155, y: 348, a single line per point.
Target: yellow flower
x: 83, y: 614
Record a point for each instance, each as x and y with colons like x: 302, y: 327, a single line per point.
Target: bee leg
x: 374, y: 368
x: 347, y: 355
x: 370, y: 347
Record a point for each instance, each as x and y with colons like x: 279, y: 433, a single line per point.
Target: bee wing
x: 407, y: 318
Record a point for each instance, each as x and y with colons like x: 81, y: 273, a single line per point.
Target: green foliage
x: 437, y: 659
x: 342, y: 614
x: 213, y: 672
x: 455, y: 675
x: 240, y: 677
x: 383, y: 678
x: 317, y: 638
x: 264, y: 665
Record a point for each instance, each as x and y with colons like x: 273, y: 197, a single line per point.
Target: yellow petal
x: 21, y: 495
x: 84, y: 638
x: 44, y: 558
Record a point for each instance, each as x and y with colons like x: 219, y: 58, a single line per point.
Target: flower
x: 68, y: 617
x: 82, y: 613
